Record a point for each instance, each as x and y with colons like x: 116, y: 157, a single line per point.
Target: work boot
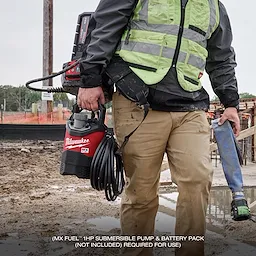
x: 240, y: 210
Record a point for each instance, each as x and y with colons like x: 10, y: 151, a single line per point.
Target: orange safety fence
x: 58, y: 117
x: 54, y: 117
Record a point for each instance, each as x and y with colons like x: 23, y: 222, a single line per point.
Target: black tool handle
x: 102, y: 113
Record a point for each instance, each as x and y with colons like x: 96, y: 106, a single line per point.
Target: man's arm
x: 109, y: 21
x: 220, y: 66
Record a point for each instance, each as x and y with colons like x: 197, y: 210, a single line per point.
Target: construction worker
x: 155, y: 51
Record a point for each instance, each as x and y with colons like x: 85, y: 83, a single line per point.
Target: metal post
x: 4, y: 104
x: 254, y: 136
x: 2, y: 113
x: 47, y: 50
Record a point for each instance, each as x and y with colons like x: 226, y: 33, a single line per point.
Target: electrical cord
x: 57, y: 89
x: 106, y: 171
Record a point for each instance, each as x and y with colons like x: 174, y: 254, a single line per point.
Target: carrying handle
x: 101, y: 113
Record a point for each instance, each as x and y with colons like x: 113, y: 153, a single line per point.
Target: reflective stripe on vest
x: 153, y: 39
x: 166, y: 52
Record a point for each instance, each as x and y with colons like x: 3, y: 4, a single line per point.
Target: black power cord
x: 106, y: 171
x: 57, y: 89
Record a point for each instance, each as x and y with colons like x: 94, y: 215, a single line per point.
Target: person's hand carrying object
x: 89, y: 98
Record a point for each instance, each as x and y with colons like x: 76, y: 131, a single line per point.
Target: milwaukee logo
x: 70, y: 141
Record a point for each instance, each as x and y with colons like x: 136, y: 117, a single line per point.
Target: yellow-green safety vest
x: 163, y: 33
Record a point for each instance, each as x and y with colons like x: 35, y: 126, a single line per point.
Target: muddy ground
x: 37, y: 203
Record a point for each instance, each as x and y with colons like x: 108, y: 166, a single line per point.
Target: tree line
x: 243, y: 95
x: 21, y: 98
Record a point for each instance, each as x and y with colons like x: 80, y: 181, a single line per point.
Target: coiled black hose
x: 106, y: 171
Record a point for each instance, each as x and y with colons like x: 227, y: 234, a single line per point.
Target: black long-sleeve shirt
x: 111, y: 17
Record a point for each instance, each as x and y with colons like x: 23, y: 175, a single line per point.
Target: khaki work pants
x: 185, y: 137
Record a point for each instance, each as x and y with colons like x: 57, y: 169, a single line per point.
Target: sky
x: 21, y: 26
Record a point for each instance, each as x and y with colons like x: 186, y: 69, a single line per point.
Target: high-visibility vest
x: 164, y: 34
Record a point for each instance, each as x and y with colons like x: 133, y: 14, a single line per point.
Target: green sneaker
x: 240, y: 210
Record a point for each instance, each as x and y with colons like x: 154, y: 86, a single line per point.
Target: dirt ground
x: 37, y: 203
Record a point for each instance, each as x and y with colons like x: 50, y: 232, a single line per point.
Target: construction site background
x: 60, y: 114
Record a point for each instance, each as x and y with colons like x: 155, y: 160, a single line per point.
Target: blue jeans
x: 228, y: 150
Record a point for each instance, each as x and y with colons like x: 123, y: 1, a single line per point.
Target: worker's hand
x: 89, y: 98
x: 231, y: 115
